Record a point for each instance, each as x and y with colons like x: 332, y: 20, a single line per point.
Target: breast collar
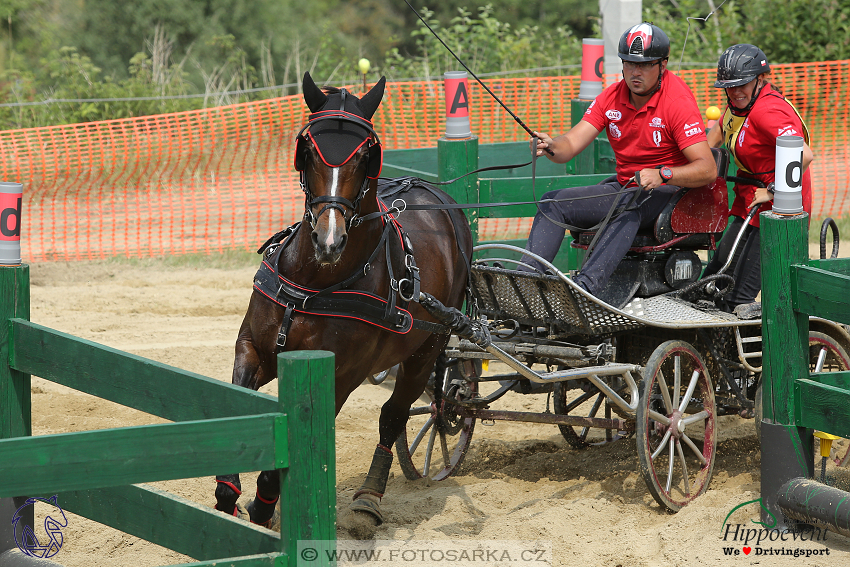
x: 338, y: 300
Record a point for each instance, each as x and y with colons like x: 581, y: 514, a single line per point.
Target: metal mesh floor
x: 545, y: 300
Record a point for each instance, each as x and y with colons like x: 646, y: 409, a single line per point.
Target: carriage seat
x: 694, y: 218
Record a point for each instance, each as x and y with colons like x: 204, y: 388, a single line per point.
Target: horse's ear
x: 370, y: 101
x: 313, y: 95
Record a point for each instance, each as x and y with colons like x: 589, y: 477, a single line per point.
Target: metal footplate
x: 556, y: 302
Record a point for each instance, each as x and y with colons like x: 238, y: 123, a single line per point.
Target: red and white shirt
x: 755, y: 147
x: 653, y: 136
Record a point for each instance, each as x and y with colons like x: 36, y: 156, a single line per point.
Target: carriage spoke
x: 595, y: 408
x: 670, y: 470
x: 578, y: 401
x: 429, y: 451
x: 677, y: 379
x: 445, y: 449
x: 661, y: 445
x: 662, y: 419
x: 695, y: 418
x: 694, y: 448
x: 665, y: 393
x: 691, y: 387
x: 684, y: 468
x: 418, y: 439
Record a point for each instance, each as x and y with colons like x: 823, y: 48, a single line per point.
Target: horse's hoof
x: 242, y: 513
x: 370, y: 505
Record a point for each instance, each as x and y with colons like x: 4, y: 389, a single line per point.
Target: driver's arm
x: 701, y: 169
x: 566, y: 146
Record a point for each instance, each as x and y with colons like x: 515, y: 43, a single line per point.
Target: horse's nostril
x: 342, y: 242
x: 315, y: 237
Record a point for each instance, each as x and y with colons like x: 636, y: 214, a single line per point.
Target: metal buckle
x: 409, y: 263
x: 401, y: 293
x: 394, y: 284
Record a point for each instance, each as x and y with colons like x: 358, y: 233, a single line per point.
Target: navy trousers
x: 745, y: 267
x: 585, y: 207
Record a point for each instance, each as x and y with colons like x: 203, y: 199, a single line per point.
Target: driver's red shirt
x: 653, y: 136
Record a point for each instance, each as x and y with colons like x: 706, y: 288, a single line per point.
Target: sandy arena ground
x: 520, y: 481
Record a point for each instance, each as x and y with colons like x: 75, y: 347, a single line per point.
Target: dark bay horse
x: 348, y: 249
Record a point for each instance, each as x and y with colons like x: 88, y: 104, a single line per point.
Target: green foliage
x: 82, y: 49
x: 485, y: 44
x: 799, y: 30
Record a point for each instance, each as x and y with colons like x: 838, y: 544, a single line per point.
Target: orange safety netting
x: 222, y: 178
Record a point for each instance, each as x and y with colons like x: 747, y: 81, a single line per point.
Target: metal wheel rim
x: 430, y: 442
x: 676, y: 467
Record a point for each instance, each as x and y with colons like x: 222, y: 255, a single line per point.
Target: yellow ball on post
x: 364, y: 67
x: 712, y: 113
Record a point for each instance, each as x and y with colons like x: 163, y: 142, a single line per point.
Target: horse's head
x: 337, y: 153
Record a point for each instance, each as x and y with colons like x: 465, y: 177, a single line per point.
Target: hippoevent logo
x: 47, y: 545
x: 745, y: 540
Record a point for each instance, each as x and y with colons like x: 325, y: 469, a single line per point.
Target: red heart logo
x: 747, y: 550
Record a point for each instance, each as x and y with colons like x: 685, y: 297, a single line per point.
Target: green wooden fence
x: 217, y: 428
x: 795, y: 401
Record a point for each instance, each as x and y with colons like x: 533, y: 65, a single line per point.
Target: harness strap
x: 285, y: 324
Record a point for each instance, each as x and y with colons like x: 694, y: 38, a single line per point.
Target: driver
x: 655, y: 129
x: 756, y: 113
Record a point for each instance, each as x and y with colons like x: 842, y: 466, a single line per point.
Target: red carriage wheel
x: 436, y: 439
x: 676, y: 425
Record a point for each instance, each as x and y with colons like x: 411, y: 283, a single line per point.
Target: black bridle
x: 341, y: 204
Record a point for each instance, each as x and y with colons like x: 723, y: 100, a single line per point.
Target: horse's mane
x: 330, y: 90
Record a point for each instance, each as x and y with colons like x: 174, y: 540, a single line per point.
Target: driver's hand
x: 650, y: 178
x: 762, y: 195
x: 543, y: 142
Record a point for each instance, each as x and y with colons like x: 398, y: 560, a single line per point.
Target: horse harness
x: 339, y: 300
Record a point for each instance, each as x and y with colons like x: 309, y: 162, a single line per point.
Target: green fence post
x: 15, y: 387
x: 786, y: 450
x: 585, y: 162
x: 456, y: 157
x: 308, y: 486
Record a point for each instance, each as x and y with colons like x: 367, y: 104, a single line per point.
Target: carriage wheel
x: 835, y: 360
x: 676, y: 425
x: 589, y: 403
x: 436, y: 440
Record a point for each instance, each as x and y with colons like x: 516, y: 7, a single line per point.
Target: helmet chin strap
x: 746, y: 110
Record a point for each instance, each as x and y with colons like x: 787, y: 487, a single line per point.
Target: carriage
x: 652, y: 358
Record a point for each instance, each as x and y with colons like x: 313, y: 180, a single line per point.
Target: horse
x: 331, y: 282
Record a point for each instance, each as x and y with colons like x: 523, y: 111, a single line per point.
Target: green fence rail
x: 217, y: 428
x: 795, y: 401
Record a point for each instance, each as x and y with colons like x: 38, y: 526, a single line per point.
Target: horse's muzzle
x: 328, y: 250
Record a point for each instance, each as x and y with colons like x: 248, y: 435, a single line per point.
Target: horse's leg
x: 261, y: 509
x: 410, y: 383
x: 227, y: 491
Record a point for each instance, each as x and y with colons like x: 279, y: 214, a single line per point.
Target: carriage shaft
x: 549, y: 418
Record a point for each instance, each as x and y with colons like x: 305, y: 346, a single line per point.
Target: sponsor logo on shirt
x: 692, y: 129
x: 614, y: 130
x: 656, y: 137
x: 614, y: 115
x: 746, y: 123
x: 589, y: 107
x: 741, y: 139
x: 656, y: 123
x: 788, y: 131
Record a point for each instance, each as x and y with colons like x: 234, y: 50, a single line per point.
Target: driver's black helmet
x: 643, y: 43
x: 739, y: 65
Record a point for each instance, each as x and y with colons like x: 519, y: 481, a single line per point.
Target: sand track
x: 520, y: 481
